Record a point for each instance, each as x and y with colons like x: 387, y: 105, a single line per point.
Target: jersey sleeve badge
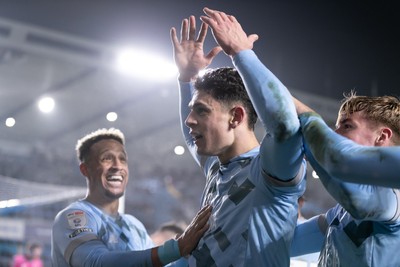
x: 76, y: 219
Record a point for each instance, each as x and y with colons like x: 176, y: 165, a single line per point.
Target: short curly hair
x: 85, y: 143
x: 226, y: 86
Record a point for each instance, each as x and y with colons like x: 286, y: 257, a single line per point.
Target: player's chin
x: 114, y: 194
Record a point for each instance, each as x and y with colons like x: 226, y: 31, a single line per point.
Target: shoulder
x: 75, y: 216
x: 132, y: 220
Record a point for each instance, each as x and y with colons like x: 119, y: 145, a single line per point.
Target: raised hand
x: 228, y: 32
x: 189, y: 51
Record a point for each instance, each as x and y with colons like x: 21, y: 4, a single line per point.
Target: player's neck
x: 240, y: 146
x: 108, y: 207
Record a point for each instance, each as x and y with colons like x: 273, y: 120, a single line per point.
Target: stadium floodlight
x: 10, y: 122
x: 46, y: 104
x: 179, y: 150
x: 112, y: 116
x: 144, y: 65
x: 9, y: 203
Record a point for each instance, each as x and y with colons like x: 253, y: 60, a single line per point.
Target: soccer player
x: 91, y: 232
x: 252, y: 187
x: 364, y: 228
x: 355, y: 162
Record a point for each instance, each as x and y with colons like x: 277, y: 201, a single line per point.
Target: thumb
x: 215, y: 51
x: 253, y: 37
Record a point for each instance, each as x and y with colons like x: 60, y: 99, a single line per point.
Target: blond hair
x: 383, y: 110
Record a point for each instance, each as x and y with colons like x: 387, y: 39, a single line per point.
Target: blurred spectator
x: 167, y: 231
x: 32, y: 256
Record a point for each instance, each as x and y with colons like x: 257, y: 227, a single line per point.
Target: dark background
x: 323, y: 47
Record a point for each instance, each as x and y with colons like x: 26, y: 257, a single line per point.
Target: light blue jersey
x: 83, y: 230
x: 360, y: 243
x: 254, y: 215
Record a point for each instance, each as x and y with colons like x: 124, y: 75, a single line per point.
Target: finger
x: 200, y: 232
x: 192, y: 27
x: 184, y: 30
x: 253, y: 37
x: 205, y: 210
x: 232, y: 18
x: 221, y: 15
x: 203, y: 218
x: 218, y: 16
x: 213, y: 53
x: 174, y: 38
x: 202, y: 33
x: 209, y: 12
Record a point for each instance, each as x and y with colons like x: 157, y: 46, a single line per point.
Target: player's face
x: 357, y: 128
x: 108, y: 169
x: 208, y: 121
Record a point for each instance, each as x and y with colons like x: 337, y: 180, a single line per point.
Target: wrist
x: 169, y: 251
x: 186, y: 77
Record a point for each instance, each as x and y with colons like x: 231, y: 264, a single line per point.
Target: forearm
x: 95, y: 253
x: 346, y: 160
x: 308, y: 238
x: 362, y: 201
x: 281, y: 149
x: 271, y: 99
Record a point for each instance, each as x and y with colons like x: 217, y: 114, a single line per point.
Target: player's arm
x: 88, y: 250
x: 363, y: 202
x: 347, y: 160
x: 281, y: 150
x: 309, y: 236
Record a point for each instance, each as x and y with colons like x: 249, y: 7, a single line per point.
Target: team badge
x: 76, y: 219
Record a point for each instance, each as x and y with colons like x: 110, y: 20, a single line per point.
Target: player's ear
x: 83, y: 169
x: 384, y: 137
x: 237, y: 116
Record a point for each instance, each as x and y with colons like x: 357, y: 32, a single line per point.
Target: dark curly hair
x: 226, y: 86
x: 85, y: 143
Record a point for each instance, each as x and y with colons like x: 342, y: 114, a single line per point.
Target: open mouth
x: 115, y: 178
x: 196, y: 136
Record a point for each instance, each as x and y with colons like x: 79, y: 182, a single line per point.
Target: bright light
x: 46, y: 104
x: 179, y: 150
x: 9, y: 203
x: 314, y: 175
x: 202, y: 72
x: 145, y: 65
x: 112, y: 116
x: 10, y: 122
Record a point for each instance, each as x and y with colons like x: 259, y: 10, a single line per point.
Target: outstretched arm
x: 95, y: 253
x: 190, y: 58
x: 360, y: 200
x: 347, y: 160
x: 281, y: 149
